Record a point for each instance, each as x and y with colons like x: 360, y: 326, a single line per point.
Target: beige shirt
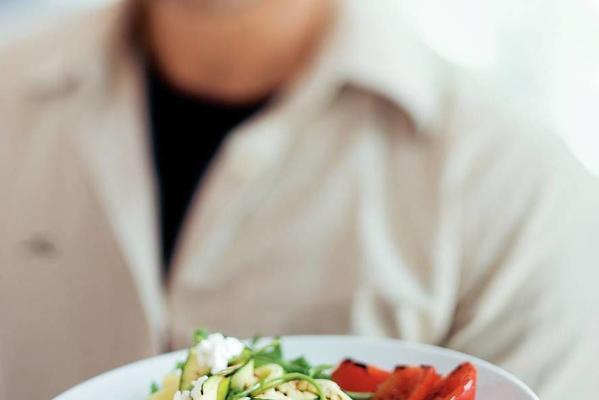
x: 379, y: 195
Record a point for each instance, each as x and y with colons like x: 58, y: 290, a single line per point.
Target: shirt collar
x: 376, y: 51
x: 370, y: 47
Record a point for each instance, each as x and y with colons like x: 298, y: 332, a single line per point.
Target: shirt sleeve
x: 528, y: 295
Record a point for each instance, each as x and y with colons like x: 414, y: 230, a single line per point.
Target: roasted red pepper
x: 458, y: 385
x: 409, y: 383
x: 356, y: 377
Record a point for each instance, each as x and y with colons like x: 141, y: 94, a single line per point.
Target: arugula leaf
x: 154, y: 387
x: 199, y: 335
x: 319, y: 371
x: 273, y: 353
x: 299, y: 364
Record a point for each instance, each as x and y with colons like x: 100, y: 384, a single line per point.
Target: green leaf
x: 199, y: 335
x: 154, y: 387
x: 299, y: 364
x: 319, y: 371
x: 271, y: 353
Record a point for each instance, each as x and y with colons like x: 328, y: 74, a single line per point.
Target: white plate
x: 132, y: 382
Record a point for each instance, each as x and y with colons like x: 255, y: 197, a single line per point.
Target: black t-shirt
x: 187, y: 131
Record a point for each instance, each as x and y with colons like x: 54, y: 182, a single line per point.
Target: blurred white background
x: 541, y: 55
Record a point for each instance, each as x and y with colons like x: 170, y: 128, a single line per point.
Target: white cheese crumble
x: 215, y: 351
x: 196, y: 392
x: 182, y: 395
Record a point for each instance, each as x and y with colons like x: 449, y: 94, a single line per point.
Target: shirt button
x: 39, y: 245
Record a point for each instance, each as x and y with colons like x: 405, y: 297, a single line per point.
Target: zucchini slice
x: 170, y: 384
x: 191, y: 371
x: 244, y: 377
x: 216, y: 388
x: 270, y: 371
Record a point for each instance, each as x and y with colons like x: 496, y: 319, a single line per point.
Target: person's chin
x: 221, y: 4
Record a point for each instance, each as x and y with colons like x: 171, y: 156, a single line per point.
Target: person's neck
x: 234, y: 53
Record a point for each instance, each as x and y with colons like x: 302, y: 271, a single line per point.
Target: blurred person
x: 279, y: 166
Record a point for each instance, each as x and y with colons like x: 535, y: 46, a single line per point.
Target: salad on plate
x: 218, y: 367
